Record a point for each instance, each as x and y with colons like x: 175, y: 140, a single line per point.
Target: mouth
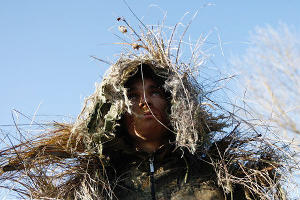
x: 148, y: 114
x: 145, y: 114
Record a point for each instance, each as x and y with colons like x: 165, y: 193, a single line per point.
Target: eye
x: 156, y: 92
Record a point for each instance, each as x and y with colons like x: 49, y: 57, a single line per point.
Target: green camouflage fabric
x: 178, y: 174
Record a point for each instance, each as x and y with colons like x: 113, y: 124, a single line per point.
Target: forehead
x: 138, y: 83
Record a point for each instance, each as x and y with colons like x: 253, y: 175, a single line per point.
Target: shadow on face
x: 149, y: 120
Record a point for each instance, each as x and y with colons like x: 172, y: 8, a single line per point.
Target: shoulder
x: 201, y: 182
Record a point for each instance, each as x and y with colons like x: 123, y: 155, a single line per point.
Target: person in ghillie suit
x: 146, y: 133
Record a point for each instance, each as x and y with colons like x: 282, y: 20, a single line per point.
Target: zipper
x: 151, y: 159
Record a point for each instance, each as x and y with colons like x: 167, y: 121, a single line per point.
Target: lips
x: 148, y: 114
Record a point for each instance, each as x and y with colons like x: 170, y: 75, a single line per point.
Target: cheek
x: 134, y: 109
x: 128, y: 123
x: 164, y: 110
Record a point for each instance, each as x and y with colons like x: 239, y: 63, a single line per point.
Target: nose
x: 143, y: 101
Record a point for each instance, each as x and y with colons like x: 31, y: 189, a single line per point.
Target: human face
x: 149, y: 111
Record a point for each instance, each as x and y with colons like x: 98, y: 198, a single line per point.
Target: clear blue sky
x: 45, y: 46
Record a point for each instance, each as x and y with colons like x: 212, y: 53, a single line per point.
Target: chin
x: 151, y: 133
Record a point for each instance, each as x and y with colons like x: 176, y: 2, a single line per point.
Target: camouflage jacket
x: 177, y: 174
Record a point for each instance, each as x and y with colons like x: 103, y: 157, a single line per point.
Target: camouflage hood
x: 191, y: 123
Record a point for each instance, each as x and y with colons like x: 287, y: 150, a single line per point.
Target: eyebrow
x: 152, y: 86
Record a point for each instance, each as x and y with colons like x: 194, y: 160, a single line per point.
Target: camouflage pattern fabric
x: 178, y: 175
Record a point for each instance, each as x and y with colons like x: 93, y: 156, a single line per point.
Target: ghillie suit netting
x: 68, y: 162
